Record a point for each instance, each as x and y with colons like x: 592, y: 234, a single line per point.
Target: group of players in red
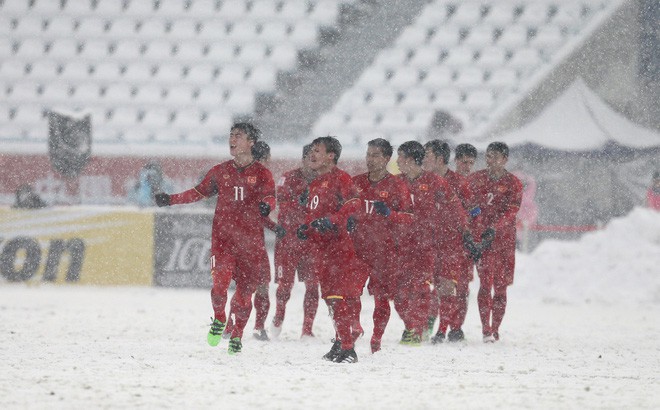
x: 414, y: 237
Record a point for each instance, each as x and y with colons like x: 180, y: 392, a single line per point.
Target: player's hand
x: 264, y: 209
x: 301, y: 233
x: 322, y: 224
x: 279, y: 231
x: 162, y: 199
x: 487, y: 238
x: 351, y: 223
x: 473, y: 249
x: 381, y: 208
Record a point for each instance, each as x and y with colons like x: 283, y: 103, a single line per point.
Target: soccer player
x: 498, y: 193
x: 465, y: 155
x: 385, y: 202
x: 260, y: 152
x: 246, y: 193
x: 332, y: 199
x: 291, y: 253
x: 434, y: 203
x: 452, y: 260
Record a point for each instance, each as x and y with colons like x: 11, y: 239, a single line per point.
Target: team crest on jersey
x: 423, y: 187
x: 225, y: 176
x: 325, y: 184
x: 383, y: 194
x: 252, y: 180
x: 501, y: 188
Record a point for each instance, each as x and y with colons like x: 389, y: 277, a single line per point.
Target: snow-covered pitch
x: 581, y: 331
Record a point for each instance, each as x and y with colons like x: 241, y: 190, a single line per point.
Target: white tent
x: 578, y: 121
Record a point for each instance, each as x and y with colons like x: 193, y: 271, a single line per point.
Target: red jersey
x: 332, y: 195
x: 436, y: 209
x: 239, y: 191
x: 290, y: 189
x: 374, y: 232
x: 461, y: 187
x: 499, y: 200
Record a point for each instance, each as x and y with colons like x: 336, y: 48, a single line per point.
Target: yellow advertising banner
x: 86, y: 245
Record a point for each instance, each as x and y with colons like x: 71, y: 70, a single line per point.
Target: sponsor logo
x: 22, y: 256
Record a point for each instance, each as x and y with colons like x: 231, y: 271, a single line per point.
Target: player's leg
x: 241, y: 307
x: 485, y: 298
x: 342, y: 317
x: 261, y: 307
x: 222, y: 266
x: 308, y: 274
x: 285, y: 271
x: 382, y: 313
x: 460, y: 312
x: 503, y: 277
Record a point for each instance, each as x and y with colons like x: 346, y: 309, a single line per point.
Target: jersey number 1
x: 238, y: 193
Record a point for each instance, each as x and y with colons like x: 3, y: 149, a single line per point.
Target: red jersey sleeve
x: 350, y: 200
x: 511, y: 205
x: 206, y: 188
x: 402, y: 208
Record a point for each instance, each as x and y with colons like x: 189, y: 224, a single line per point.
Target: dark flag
x: 69, y: 142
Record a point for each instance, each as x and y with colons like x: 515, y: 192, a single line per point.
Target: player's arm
x: 204, y: 189
x: 511, y: 207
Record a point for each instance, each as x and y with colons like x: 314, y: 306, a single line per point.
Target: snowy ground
x: 581, y: 331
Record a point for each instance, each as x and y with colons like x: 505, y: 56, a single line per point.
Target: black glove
x: 162, y: 199
x: 350, y: 224
x: 381, y: 208
x: 487, y: 238
x: 301, y: 233
x: 279, y: 231
x: 472, y: 248
x: 322, y: 224
x: 264, y: 209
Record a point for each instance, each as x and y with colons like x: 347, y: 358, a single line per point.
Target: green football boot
x: 215, y: 333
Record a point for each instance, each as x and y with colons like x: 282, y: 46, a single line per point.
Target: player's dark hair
x: 260, y: 150
x: 500, y: 147
x: 439, y: 149
x: 331, y: 144
x: 253, y: 133
x: 306, y: 150
x: 465, y: 150
x: 383, y: 144
x: 414, y: 150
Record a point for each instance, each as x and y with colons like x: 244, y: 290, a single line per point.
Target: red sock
x: 342, y: 318
x: 382, y: 313
x: 310, y: 306
x: 221, y: 280
x: 261, y: 307
x: 241, y: 307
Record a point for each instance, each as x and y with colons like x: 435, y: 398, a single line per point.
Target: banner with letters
x: 86, y: 245
x: 183, y: 249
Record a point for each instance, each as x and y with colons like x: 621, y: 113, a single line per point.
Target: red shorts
x: 416, y: 266
x: 452, y: 263
x: 340, y: 273
x: 382, y: 266
x: 293, y: 255
x: 497, y: 264
x: 249, y: 266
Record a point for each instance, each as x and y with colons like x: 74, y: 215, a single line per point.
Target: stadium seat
x: 148, y: 94
x: 24, y: 91
x: 46, y: 8
x: 445, y: 36
x: 44, y: 70
x: 95, y: 50
x: 262, y: 78
x: 12, y: 70
x: 75, y: 71
x: 501, y: 14
x: 168, y: 73
x: 460, y: 57
x: 156, y: 118
x: 469, y: 78
x: 79, y: 8
x: 325, y: 12
x: 63, y: 49
x: 233, y: 10
x: 122, y: 28
x: 212, y: 30
x: 189, y: 51
x: 152, y: 29
x: 480, y: 36
x: 138, y: 72
x: 118, y: 93
x: 534, y: 14
x: 15, y: 8
x: 31, y: 49
x: 273, y: 33
x: 218, y: 121
x: 251, y: 54
x: 468, y: 14
x: 109, y: 8
x: 293, y: 11
x: 547, y: 38
x: 231, y: 75
x: 86, y: 93
x: 210, y: 96
x: 426, y: 57
x: 404, y: 77
x: 263, y: 11
x: 139, y: 8
x: 178, y: 95
x: 158, y: 50
x: 394, y: 121
x: 382, y: 99
x: 55, y: 94
x: 59, y: 26
x: 513, y: 37
x: 170, y: 9
x: 412, y: 36
x: 372, y: 77
x: 479, y: 100
x: 29, y: 26
x: 503, y: 78
x: 438, y: 76
x: 183, y: 29
x: 202, y: 74
x: 245, y: 32
x: 123, y: 117
x: 416, y: 98
x: 284, y: 57
x: 447, y: 98
x: 362, y: 121
x: 303, y: 34
x: 240, y: 101
x: 392, y: 57
x: 221, y: 52
x: 206, y: 8
x: 127, y: 50
x: 491, y: 57
x: 525, y: 59
x: 91, y: 27
x: 187, y: 120
x: 106, y: 71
